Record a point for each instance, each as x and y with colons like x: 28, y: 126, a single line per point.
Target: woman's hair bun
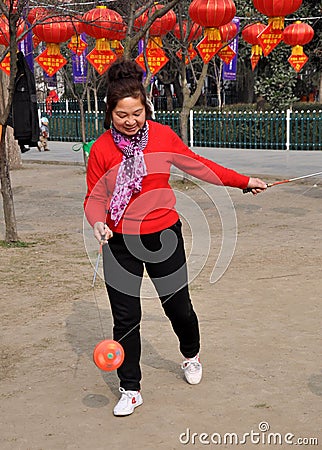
x: 124, y: 69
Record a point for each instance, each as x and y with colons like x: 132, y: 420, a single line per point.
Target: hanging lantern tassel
x: 53, y: 49
x: 77, y: 45
x: 5, y: 64
x: 228, y: 32
x: 155, y: 42
x: 211, y: 16
x: 53, y: 31
x: 256, y: 55
x: 298, y: 58
x: 51, y: 60
x: 272, y: 35
x: 277, y: 23
x: 105, y: 25
x: 195, y: 33
x: 297, y: 35
x: 250, y: 34
x: 210, y: 45
x: 5, y: 40
x: 190, y: 56
x: 101, y: 57
x: 155, y: 55
x: 117, y: 48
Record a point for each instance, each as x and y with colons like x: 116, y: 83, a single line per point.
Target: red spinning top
x: 108, y: 355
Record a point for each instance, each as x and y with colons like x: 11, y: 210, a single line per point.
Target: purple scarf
x: 131, y: 171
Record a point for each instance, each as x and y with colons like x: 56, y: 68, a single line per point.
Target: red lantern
x: 273, y: 8
x: 250, y: 34
x: 5, y: 40
x: 78, y: 25
x: 5, y: 64
x: 211, y: 15
x: 297, y: 35
x: 195, y: 33
x: 162, y: 25
x: 53, y: 31
x: 272, y: 35
x: 105, y: 25
x: 227, y: 32
x: 77, y: 45
x: 37, y: 13
x: 4, y: 30
x: 155, y: 55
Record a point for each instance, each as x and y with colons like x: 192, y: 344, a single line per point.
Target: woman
x: 131, y: 205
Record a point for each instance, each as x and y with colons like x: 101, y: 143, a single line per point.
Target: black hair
x: 124, y: 79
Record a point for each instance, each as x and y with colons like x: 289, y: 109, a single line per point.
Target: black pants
x: 163, y: 256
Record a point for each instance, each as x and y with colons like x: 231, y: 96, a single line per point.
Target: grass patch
x: 262, y: 405
x: 16, y: 244
x: 183, y: 184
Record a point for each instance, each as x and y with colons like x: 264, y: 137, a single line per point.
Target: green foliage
x: 276, y: 79
x: 312, y: 70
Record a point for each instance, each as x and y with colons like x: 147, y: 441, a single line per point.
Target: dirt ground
x: 260, y: 327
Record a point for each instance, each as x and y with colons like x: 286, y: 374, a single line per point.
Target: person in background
x: 44, y: 135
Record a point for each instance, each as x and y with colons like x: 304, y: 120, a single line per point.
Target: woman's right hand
x: 102, y: 232
x: 256, y: 185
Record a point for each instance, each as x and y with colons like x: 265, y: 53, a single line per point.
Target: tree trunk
x: 83, y: 130
x: 6, y: 191
x: 178, y: 90
x: 217, y: 73
x: 168, y: 93
x: 96, y: 109
x: 184, y: 115
x: 250, y: 83
x: 189, y: 100
x: 218, y: 87
x: 13, y: 149
x: 89, y: 106
x: 320, y: 89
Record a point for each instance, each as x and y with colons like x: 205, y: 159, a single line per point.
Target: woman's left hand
x: 102, y: 232
x: 256, y: 185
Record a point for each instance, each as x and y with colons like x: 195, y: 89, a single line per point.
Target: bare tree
x: 12, y: 11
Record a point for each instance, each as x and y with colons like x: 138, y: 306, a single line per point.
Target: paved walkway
x: 279, y: 163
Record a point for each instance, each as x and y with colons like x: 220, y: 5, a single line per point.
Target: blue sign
x: 51, y: 81
x: 80, y: 65
x: 26, y: 47
x: 229, y: 71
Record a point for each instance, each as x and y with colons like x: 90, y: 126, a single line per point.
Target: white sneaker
x: 128, y: 402
x: 192, y: 369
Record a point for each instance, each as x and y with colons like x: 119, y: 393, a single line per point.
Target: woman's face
x: 129, y: 115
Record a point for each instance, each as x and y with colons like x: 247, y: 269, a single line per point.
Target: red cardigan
x: 152, y: 209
